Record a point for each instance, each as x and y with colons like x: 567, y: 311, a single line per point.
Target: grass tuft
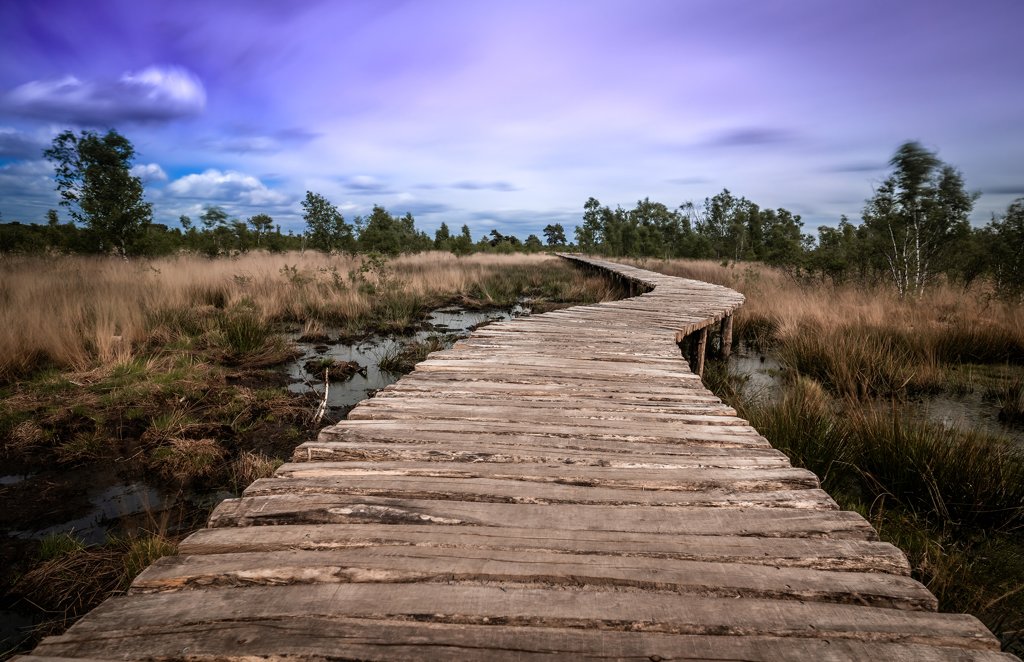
x: 78, y: 579
x: 249, y: 467
x: 187, y: 460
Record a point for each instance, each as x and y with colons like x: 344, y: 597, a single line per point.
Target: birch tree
x: 915, y: 215
x: 95, y: 183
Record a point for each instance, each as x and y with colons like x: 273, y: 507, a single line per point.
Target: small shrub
x: 142, y: 552
x: 755, y: 331
x: 245, y: 331
x: 860, y: 362
x: 186, y: 460
x: 398, y: 311
x: 976, y: 342
x: 77, y: 580
x: 209, y: 295
x: 313, y: 331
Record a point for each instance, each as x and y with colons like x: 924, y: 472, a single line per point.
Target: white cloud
x: 226, y: 186
x: 154, y: 94
x: 149, y: 172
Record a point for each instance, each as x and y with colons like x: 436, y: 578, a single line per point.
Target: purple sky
x: 510, y: 115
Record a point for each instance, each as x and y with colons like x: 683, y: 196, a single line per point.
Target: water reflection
x: 762, y: 381
x: 449, y: 324
x: 108, y: 505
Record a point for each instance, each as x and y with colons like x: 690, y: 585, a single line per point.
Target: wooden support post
x: 726, y: 347
x: 702, y: 344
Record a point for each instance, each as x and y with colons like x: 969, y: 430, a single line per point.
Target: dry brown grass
x: 72, y: 579
x: 861, y: 340
x: 75, y: 312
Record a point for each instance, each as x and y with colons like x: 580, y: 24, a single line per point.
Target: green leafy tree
x: 216, y: 235
x: 780, y: 241
x: 383, y: 233
x: 554, y: 234
x: 213, y: 217
x: 261, y: 225
x: 1006, y: 249
x: 589, y: 235
x: 443, y: 237
x: 462, y: 244
x: 326, y: 227
x: 916, y: 215
x: 94, y: 179
x: 532, y: 243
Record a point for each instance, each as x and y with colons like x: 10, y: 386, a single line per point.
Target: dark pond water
x: 445, y: 324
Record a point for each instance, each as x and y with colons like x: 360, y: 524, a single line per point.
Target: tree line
x: 109, y: 215
x: 914, y: 228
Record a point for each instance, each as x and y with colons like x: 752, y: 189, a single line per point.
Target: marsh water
x: 444, y: 326
x: 95, y: 502
x: 762, y: 380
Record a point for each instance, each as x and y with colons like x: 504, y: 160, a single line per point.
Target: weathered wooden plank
x: 568, y: 407
x: 342, y: 638
x: 511, y: 389
x: 531, y: 608
x: 395, y: 564
x: 817, y: 553
x: 478, y: 451
x: 509, y: 491
x: 729, y: 518
x: 660, y: 478
x: 441, y: 436
x: 610, y: 430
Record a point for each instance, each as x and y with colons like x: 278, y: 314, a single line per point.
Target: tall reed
x: 76, y: 311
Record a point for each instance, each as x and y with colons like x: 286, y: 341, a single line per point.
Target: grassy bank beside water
x: 166, y: 372
x: 854, y: 361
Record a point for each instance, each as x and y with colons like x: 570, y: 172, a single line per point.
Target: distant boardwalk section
x: 555, y: 486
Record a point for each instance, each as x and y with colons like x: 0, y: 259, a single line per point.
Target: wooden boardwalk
x: 555, y: 486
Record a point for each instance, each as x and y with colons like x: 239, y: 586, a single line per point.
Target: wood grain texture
x: 560, y: 485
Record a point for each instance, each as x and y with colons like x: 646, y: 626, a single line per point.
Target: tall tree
x: 261, y: 225
x: 95, y: 183
x: 463, y: 243
x: 554, y: 234
x: 915, y: 215
x: 213, y: 217
x: 327, y: 229
x: 589, y: 235
x: 442, y: 238
x: 1006, y: 250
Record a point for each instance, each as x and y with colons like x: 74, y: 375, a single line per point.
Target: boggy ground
x: 162, y: 380
x: 856, y: 363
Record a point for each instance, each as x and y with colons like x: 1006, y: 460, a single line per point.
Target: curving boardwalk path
x: 555, y: 486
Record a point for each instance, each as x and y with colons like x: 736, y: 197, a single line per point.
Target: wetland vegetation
x: 908, y: 408
x: 134, y: 395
